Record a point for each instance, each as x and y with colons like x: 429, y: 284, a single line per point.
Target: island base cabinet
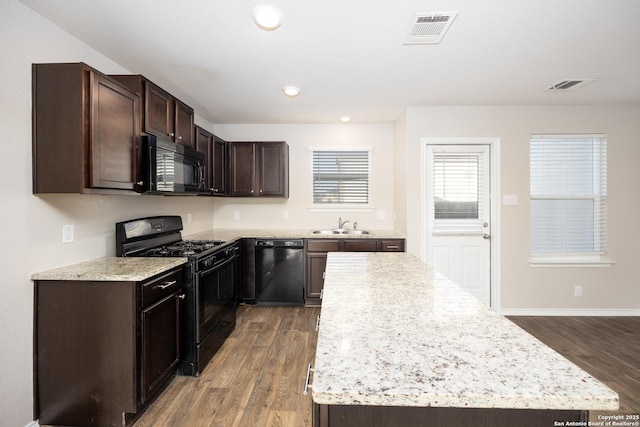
x: 387, y: 416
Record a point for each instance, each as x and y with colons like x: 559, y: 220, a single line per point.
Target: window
x: 568, y: 178
x: 456, y: 186
x: 341, y: 177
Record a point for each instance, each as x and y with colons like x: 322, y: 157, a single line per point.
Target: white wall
x: 267, y: 213
x: 543, y: 289
x: 32, y: 225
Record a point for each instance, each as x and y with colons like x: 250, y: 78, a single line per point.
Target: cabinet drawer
x: 361, y: 245
x: 392, y: 246
x: 323, y: 245
x: 160, y: 287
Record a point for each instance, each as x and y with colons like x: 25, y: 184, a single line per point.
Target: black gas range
x: 209, y: 313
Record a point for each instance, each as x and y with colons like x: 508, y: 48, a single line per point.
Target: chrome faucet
x: 341, y: 223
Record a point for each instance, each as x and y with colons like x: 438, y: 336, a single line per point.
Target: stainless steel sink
x: 340, y: 231
x: 355, y: 232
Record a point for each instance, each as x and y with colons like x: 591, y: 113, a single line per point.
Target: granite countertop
x: 113, y: 269
x: 233, y: 234
x: 394, y: 332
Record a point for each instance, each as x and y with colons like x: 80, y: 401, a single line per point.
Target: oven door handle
x: 217, y: 266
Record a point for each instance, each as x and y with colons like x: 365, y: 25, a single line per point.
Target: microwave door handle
x: 199, y: 175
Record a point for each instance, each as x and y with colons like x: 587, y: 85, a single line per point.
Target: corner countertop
x: 232, y: 234
x: 395, y: 332
x: 113, y: 269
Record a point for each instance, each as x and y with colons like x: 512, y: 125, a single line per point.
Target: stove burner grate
x: 183, y: 248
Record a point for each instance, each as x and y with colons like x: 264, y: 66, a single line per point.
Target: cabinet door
x: 114, y: 135
x: 242, y: 169
x: 273, y: 166
x: 316, y: 263
x: 160, y: 344
x: 184, y: 124
x: 219, y: 166
x: 204, y: 144
x: 159, y: 113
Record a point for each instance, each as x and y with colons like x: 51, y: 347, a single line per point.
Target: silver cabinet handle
x: 486, y: 236
x: 183, y: 296
x: 321, y: 293
x: 140, y: 183
x: 307, y: 386
x: 393, y: 247
x: 166, y: 284
x: 179, y: 138
x: 317, y: 323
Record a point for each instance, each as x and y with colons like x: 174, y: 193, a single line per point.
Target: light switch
x: 381, y: 215
x: 236, y: 215
x: 68, y: 233
x: 510, y: 199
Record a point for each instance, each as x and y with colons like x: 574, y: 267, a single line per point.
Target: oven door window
x: 216, y: 295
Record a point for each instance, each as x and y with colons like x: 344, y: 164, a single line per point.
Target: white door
x: 458, y: 202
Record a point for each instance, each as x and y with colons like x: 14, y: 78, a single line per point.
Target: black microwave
x: 170, y: 168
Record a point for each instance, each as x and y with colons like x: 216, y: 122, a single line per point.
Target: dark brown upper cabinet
x: 214, y: 149
x: 163, y: 114
x: 86, y: 128
x: 258, y: 169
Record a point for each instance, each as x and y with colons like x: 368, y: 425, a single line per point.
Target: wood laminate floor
x: 257, y: 377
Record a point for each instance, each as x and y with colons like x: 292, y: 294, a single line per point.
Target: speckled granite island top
x: 114, y: 269
x: 394, y: 332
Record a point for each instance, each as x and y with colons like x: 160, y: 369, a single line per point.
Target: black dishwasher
x: 279, y: 272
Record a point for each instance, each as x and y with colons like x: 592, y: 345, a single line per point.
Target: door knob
x: 486, y: 236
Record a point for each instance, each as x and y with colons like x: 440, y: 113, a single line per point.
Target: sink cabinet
x: 86, y: 128
x: 258, y: 169
x: 316, y: 259
x: 163, y: 115
x: 214, y: 149
x: 103, y: 350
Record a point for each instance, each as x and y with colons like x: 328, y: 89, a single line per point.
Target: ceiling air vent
x: 569, y: 84
x: 429, y: 27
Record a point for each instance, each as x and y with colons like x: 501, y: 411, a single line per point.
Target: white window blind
x: 568, y: 179
x: 456, y: 186
x: 341, y: 177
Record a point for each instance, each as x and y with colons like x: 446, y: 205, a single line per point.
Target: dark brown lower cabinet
x: 395, y: 416
x: 316, y: 259
x: 104, y: 350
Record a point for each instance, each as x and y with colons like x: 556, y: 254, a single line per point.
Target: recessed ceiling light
x: 345, y: 119
x: 266, y: 17
x: 291, y: 91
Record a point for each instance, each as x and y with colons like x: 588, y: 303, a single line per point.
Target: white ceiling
x: 348, y: 56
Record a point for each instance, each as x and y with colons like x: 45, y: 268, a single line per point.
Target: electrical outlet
x: 189, y: 219
x: 285, y: 214
x: 577, y: 291
x: 236, y: 215
x: 381, y: 215
x: 68, y: 233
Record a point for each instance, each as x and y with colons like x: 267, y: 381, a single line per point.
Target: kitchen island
x: 401, y: 345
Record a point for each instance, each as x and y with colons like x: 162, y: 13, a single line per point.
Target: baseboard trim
x: 570, y: 312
